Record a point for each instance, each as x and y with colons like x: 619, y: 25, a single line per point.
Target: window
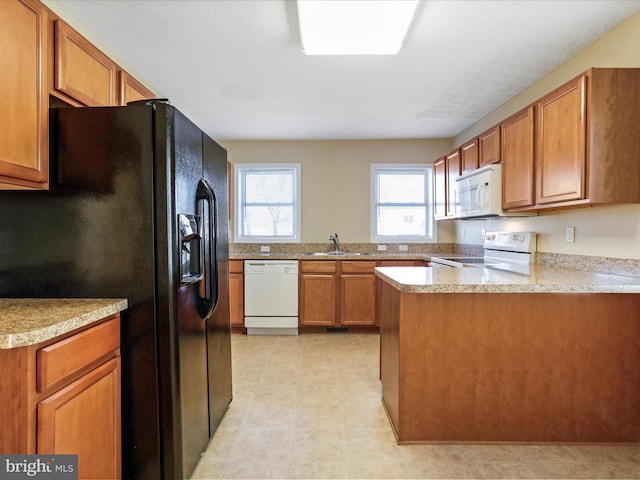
x: 401, y: 203
x: 267, y: 203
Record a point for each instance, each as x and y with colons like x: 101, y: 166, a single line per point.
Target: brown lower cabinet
x: 341, y: 293
x: 317, y: 294
x: 236, y: 292
x: 64, y: 398
x: 358, y: 293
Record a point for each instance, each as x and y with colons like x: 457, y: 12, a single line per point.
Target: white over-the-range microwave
x: 479, y: 194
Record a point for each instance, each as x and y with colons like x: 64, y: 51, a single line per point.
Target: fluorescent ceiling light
x: 354, y: 27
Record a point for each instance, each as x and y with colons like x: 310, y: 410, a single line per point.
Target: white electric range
x: 513, y: 251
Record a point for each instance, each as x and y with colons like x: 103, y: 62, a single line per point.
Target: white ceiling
x: 236, y: 67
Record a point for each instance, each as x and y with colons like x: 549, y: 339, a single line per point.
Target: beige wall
x: 612, y: 231
x: 336, y: 178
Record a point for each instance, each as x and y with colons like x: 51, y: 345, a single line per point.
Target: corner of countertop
x: 29, y: 321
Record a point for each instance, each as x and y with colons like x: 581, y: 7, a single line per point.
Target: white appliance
x: 479, y: 193
x: 513, y: 251
x: 271, y: 297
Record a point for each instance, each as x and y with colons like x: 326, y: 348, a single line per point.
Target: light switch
x: 570, y: 235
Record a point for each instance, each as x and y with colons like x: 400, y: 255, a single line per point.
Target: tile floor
x: 309, y: 407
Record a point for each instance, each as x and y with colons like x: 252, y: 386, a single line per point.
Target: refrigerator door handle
x: 206, y: 205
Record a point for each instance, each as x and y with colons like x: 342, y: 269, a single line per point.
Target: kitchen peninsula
x: 551, y: 356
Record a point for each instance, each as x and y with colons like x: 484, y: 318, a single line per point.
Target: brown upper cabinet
x: 50, y: 64
x: 480, y: 151
x: 131, y: 89
x: 576, y: 146
x: 445, y: 172
x: 560, y: 158
x: 440, y: 188
x: 517, y: 160
x: 453, y: 172
x: 586, y: 144
x: 489, y: 147
x: 469, y: 156
x: 23, y: 52
x: 613, y: 137
x: 82, y: 72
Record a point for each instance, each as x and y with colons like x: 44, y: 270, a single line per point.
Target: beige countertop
x: 347, y: 256
x: 539, y: 279
x: 27, y: 321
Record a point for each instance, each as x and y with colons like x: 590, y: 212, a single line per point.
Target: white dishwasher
x: 271, y: 297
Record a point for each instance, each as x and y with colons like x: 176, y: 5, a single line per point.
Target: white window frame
x: 426, y: 169
x: 238, y: 173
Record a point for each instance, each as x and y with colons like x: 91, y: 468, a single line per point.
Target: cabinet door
x: 440, y: 188
x: 131, y: 90
x: 469, y: 155
x: 84, y: 419
x: 358, y: 305
x: 82, y: 71
x: 24, y: 93
x: 236, y: 298
x: 517, y: 160
x: 317, y: 299
x: 489, y: 147
x: 453, y: 172
x: 561, y: 143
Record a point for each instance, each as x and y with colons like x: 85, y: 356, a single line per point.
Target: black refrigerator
x: 138, y: 209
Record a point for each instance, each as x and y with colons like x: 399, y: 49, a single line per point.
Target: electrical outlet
x: 403, y: 248
x: 570, y: 234
x: 463, y: 233
x: 483, y: 232
x: 382, y: 248
x: 265, y: 248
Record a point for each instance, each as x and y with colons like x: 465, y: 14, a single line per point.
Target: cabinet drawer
x: 66, y: 357
x: 399, y: 263
x: 318, y: 266
x: 236, y: 266
x: 358, y: 266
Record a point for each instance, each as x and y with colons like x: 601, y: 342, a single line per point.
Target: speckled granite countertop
x: 347, y: 256
x: 27, y: 321
x: 539, y: 279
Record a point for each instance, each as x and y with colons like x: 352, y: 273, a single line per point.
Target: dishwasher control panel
x: 271, y: 266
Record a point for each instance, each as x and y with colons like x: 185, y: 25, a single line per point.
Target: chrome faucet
x: 336, y: 242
